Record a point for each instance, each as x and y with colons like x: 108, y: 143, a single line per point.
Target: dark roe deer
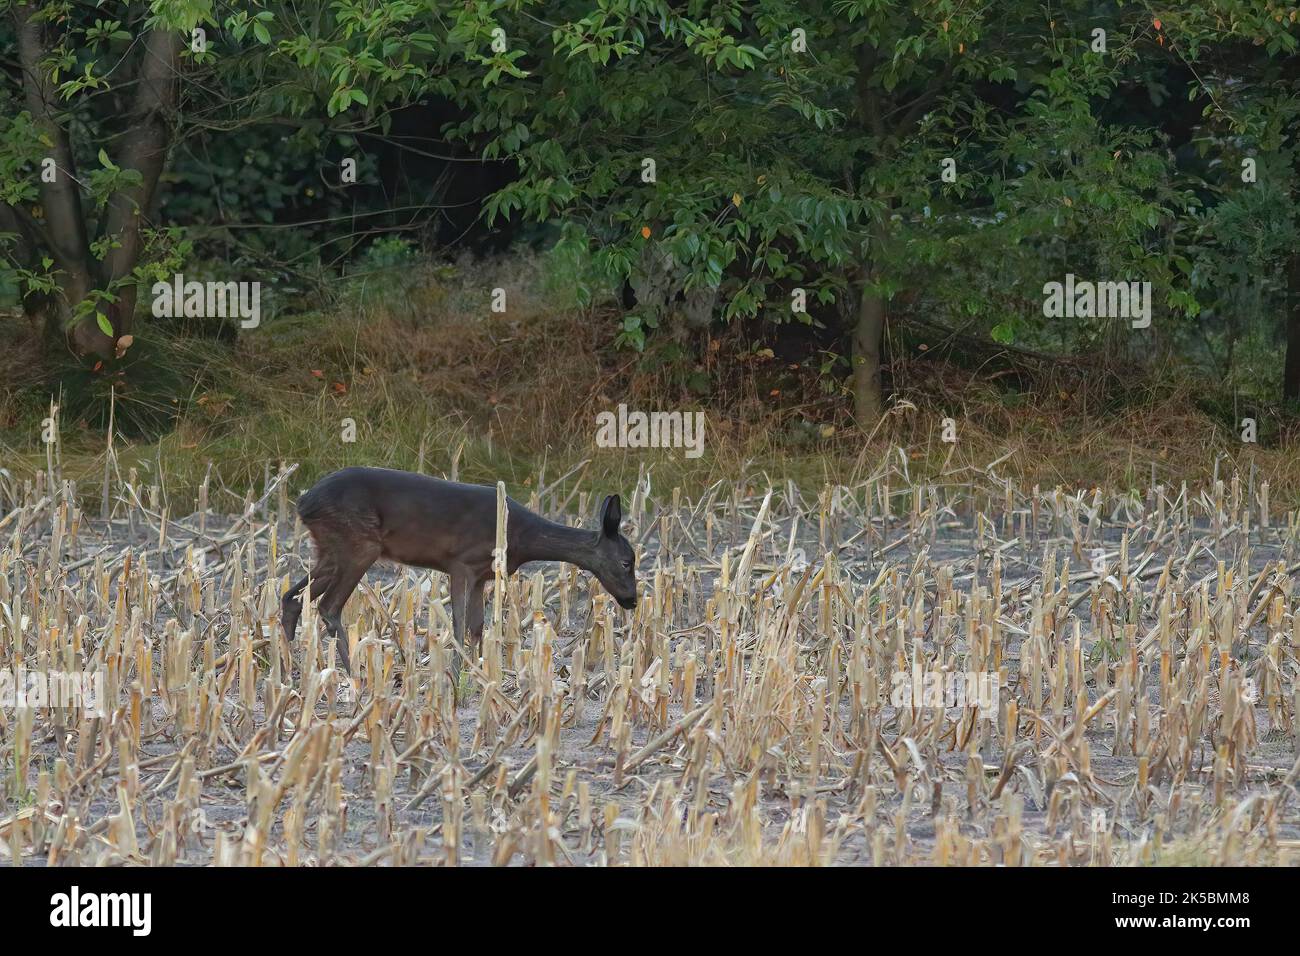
x: 359, y: 515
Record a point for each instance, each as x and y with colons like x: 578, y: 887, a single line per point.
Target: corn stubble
x: 1144, y: 644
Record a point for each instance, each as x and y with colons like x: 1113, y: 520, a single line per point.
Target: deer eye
x: 627, y: 565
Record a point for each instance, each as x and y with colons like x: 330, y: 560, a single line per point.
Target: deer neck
x: 543, y: 540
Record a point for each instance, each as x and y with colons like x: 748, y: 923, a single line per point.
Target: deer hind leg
x: 340, y: 589
x: 291, y: 610
x: 322, y: 575
x: 344, y: 550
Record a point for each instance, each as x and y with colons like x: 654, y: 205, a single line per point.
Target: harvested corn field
x: 887, y: 673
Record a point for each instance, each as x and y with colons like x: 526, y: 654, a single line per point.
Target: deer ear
x: 611, y: 516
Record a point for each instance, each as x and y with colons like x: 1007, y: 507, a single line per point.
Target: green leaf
x: 105, y: 326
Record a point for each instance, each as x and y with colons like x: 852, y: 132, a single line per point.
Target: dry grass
x: 433, y: 379
x: 1145, y: 644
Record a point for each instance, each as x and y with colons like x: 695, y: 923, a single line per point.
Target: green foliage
x: 794, y: 145
x: 820, y: 168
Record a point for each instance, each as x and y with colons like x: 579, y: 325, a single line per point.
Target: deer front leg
x: 460, y: 582
x: 474, y: 615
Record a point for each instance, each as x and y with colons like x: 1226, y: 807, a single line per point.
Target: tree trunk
x: 868, y: 332
x: 1291, y: 368
x: 145, y: 151
x: 65, y: 231
x: 868, y: 400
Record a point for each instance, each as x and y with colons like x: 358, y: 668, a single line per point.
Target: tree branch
x: 923, y: 102
x: 27, y: 225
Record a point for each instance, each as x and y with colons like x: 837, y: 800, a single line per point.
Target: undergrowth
x: 412, y: 359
